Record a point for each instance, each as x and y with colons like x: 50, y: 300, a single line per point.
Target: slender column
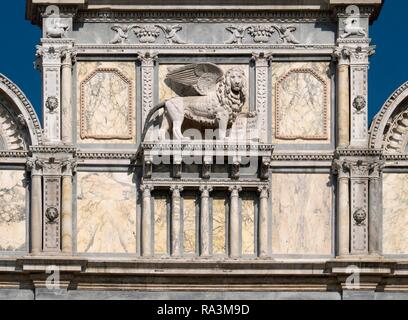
x: 263, y: 222
x: 343, y: 97
x: 375, y: 210
x: 176, y: 221
x: 36, y: 206
x: 205, y: 221
x: 66, y: 207
x: 66, y: 96
x: 343, y: 208
x: 147, y: 226
x: 234, y: 234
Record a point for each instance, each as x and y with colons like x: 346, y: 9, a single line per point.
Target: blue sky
x: 388, y: 70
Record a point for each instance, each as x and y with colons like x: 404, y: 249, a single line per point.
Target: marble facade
x: 13, y: 211
x: 128, y: 213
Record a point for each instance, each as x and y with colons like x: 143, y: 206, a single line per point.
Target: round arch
x: 389, y: 129
x: 19, y: 124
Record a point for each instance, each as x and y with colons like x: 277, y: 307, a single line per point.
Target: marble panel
x: 106, y: 102
x: 395, y: 218
x: 301, y: 98
x: 219, y: 225
x: 160, y: 225
x: 189, y: 227
x: 13, y: 213
x: 302, y: 214
x: 248, y: 225
x: 106, y: 213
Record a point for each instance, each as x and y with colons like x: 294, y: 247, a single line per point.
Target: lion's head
x: 235, y: 89
x: 235, y: 80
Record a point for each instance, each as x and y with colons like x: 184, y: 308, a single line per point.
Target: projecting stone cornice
x: 34, y: 8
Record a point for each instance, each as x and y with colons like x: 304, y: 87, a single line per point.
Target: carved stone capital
x: 341, y: 168
x: 147, y: 190
x: 69, y: 167
x: 69, y: 56
x: 360, y: 169
x: 261, y: 59
x: 263, y: 192
x: 342, y: 55
x: 205, y: 191
x: 376, y: 168
x: 176, y: 190
x: 34, y: 166
x: 147, y: 59
x: 235, y: 190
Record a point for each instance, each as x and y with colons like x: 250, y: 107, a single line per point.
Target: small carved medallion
x: 359, y: 103
x: 360, y: 216
x: 52, y: 104
x: 52, y: 215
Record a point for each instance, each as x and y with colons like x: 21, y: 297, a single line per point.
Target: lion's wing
x: 202, y: 77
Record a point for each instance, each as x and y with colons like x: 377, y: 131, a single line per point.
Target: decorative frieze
x: 147, y: 33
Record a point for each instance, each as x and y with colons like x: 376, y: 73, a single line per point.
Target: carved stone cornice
x: 106, y: 155
x: 361, y: 152
x: 13, y: 154
x: 219, y: 184
x: 52, y: 149
x: 212, y: 16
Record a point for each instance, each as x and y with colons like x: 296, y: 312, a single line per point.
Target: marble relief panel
x: 219, y: 225
x: 106, y: 213
x: 160, y: 225
x: 13, y: 211
x: 165, y: 86
x: 395, y: 218
x: 301, y: 98
x: 301, y: 214
x: 106, y: 102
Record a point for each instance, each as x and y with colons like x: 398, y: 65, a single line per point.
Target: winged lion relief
x: 206, y: 95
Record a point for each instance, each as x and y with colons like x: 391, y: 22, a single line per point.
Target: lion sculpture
x: 213, y: 99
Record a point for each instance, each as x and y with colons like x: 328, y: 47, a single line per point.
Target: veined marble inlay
x: 106, y: 216
x: 301, y: 102
x: 12, y: 211
x: 248, y: 225
x: 106, y: 109
x: 395, y: 219
x: 301, y: 214
x: 189, y: 227
x: 219, y: 225
x: 160, y: 225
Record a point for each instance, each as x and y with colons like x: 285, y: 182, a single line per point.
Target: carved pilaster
x: 359, y: 176
x: 176, y: 221
x: 263, y: 221
x: 147, y: 220
x: 147, y: 61
x: 235, y: 229
x: 52, y: 173
x: 359, y: 94
x: 205, y: 221
x: 261, y: 84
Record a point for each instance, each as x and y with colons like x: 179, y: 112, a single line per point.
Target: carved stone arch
x: 19, y: 124
x: 389, y: 129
